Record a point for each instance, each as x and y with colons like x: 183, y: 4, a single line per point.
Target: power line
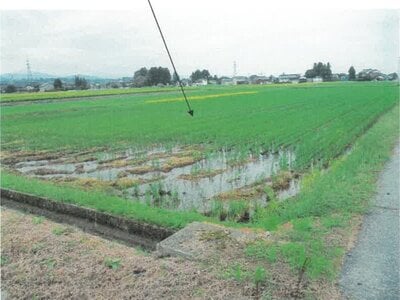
x: 190, y: 111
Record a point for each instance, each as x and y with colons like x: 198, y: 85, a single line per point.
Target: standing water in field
x: 187, y: 189
x: 171, y: 179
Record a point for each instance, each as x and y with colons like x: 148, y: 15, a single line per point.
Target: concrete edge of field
x: 131, y: 232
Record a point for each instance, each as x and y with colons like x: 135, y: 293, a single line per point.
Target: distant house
x: 370, y: 74
x: 257, y: 79
x: 302, y: 79
x: 315, y: 79
x: 45, y: 87
x: 95, y: 86
x: 184, y: 82
x: 200, y: 82
x: 126, y: 82
x: 113, y: 84
x: 226, y: 81
x: 392, y: 76
x: 335, y: 77
x: 343, y: 76
x: 240, y: 80
x: 289, y: 78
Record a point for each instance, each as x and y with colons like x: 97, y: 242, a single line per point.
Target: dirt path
x: 371, y: 269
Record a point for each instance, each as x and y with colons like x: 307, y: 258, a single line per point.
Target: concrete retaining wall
x: 113, y: 226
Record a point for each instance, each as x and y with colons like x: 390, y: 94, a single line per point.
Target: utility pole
x: 28, y: 72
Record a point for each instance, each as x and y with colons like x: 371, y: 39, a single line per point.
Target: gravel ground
x: 371, y: 269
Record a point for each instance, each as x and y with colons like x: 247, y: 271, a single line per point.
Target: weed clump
x: 281, y: 181
x: 112, y: 263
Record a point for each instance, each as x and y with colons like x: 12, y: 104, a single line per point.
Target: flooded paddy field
x: 177, y: 178
x: 244, y: 148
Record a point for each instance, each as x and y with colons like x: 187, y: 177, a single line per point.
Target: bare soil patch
x: 47, y: 260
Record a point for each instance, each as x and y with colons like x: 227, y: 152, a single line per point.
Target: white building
x: 317, y: 79
x: 45, y: 87
x: 227, y: 81
x: 240, y: 80
x: 289, y: 78
x: 200, y: 82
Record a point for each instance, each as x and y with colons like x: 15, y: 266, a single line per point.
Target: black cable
x: 190, y: 111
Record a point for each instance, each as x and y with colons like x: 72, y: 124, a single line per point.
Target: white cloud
x: 208, y: 34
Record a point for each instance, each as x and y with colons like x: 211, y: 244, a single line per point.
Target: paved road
x: 371, y: 269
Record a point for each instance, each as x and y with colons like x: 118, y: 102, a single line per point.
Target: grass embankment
x: 311, y: 226
x: 100, y: 201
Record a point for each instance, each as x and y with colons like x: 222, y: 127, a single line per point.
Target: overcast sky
x: 206, y: 34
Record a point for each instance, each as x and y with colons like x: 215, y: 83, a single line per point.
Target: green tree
x: 352, y: 73
x: 81, y: 83
x: 158, y: 75
x: 310, y: 73
x: 175, y: 78
x: 198, y: 75
x: 57, y: 84
x: 11, y: 88
x: 320, y: 69
x: 205, y: 74
x: 140, y: 77
x: 328, y: 72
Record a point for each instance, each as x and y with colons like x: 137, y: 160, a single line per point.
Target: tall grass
x: 327, y: 201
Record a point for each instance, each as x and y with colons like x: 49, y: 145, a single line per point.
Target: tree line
x: 324, y: 71
x: 320, y: 70
x: 152, y: 76
x: 160, y: 75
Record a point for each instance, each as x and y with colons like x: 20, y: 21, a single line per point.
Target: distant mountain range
x: 8, y: 78
x: 23, y: 76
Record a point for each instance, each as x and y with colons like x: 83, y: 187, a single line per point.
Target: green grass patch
x: 328, y: 202
x: 112, y: 263
x: 100, y: 201
x: 4, y: 260
x: 62, y: 230
x: 38, y: 220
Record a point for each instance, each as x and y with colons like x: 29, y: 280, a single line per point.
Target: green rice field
x: 317, y: 122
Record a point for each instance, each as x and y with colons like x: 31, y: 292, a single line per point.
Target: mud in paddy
x: 178, y: 178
